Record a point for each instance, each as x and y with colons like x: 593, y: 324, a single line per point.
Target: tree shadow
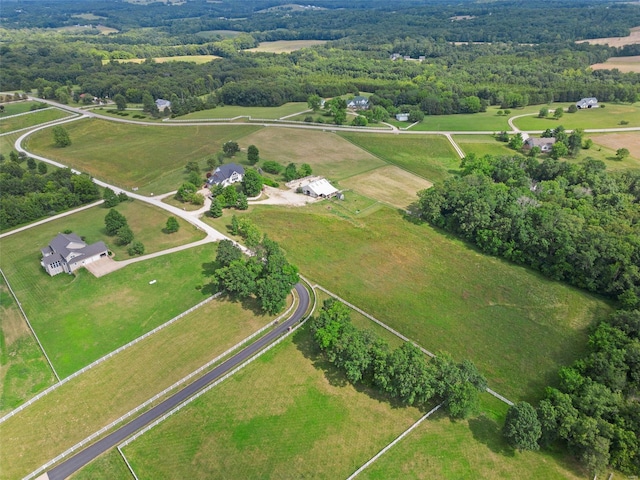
x: 209, y: 268
x: 488, y: 432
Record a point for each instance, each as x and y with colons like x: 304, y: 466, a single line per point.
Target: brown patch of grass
x: 285, y: 46
x: 634, y: 37
x: 624, y: 64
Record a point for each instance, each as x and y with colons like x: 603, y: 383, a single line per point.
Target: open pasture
x: 31, y: 119
x: 482, y: 145
x: 389, y: 184
x: 285, y: 46
x: 328, y: 154
x: 467, y: 449
x: 149, y: 157
x: 481, y: 121
x: 7, y: 143
x: 608, y: 117
x: 624, y: 64
x: 287, y: 415
x: 121, y: 383
x: 614, y: 141
x: 177, y: 58
x: 515, y: 325
x: 13, y: 108
x: 232, y: 111
x: 80, y: 318
x: 23, y: 369
x: 431, y: 157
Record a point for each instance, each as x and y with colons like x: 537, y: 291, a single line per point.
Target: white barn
x: 319, y: 189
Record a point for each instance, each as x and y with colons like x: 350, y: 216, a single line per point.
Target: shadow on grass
x: 488, y: 432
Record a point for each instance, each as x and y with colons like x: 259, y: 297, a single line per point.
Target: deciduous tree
x: 61, y: 137
x: 522, y: 427
x: 172, y: 225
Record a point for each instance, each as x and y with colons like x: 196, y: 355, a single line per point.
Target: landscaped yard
x: 99, y: 396
x: 327, y: 153
x: 80, y: 318
x: 232, y: 111
x: 517, y: 326
x: 287, y: 415
x: 23, y: 369
x: 31, y: 119
x: 149, y: 157
x: 482, y: 145
x: 608, y: 117
x: 467, y: 449
x: 431, y: 157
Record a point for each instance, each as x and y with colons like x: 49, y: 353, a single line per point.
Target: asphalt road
x: 81, y: 459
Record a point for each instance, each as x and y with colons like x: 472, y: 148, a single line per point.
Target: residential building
x: 67, y: 252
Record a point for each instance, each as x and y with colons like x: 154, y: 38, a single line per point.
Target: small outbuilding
x: 588, y: 102
x: 319, y: 189
x: 67, y: 252
x: 402, y: 117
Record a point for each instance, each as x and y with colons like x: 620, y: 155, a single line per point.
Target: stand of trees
x: 403, y: 373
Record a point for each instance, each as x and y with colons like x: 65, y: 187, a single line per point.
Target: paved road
x: 73, y: 464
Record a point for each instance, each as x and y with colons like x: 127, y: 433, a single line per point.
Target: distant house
x: 395, y: 56
x: 544, y: 144
x: 68, y: 252
x: 402, y: 117
x: 358, y: 103
x: 163, y: 104
x: 226, y: 174
x: 322, y: 102
x: 319, y: 189
x: 589, y: 102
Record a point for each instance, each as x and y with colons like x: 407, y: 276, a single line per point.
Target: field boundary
x: 30, y: 328
x: 105, y: 357
x: 44, y: 124
x: 127, y: 463
x: 400, y: 437
x: 29, y: 112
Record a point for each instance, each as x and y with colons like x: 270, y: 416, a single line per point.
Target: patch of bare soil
x: 633, y: 38
x: 614, y: 141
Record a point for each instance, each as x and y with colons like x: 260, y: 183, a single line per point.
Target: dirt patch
x: 624, y: 64
x: 275, y: 196
x: 13, y: 325
x: 614, y: 141
x: 633, y: 38
x: 389, y: 184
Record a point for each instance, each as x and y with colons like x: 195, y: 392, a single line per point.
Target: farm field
x: 285, y: 46
x: 489, y: 121
x: 608, y: 117
x: 31, y: 119
x: 633, y: 37
x: 23, y: 369
x: 389, y: 184
x: 624, y: 64
x: 327, y: 153
x: 7, y: 143
x: 467, y: 449
x: 287, y: 415
x: 482, y: 145
x: 431, y: 157
x: 148, y: 157
x: 221, y: 33
x: 74, y: 316
x: 151, y: 366
x: 178, y: 58
x: 232, y: 111
x: 517, y: 326
x: 13, y: 108
x: 614, y: 141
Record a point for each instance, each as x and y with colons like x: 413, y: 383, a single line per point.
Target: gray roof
x: 359, y: 100
x: 223, y: 172
x: 56, y: 257
x: 540, y: 142
x: 90, y: 251
x: 66, y: 244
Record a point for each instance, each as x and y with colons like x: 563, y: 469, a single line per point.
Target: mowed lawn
x: 134, y: 155
x: 13, y: 108
x: 390, y: 185
x: 80, y: 318
x: 30, y: 119
x: 482, y: 145
x: 481, y: 121
x: 232, y: 111
x: 467, y: 449
x: 328, y: 154
x: 517, y: 326
x: 287, y: 415
x: 104, y: 393
x: 431, y: 157
x: 23, y: 369
x: 608, y: 117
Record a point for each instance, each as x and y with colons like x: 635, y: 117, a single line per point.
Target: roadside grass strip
x: 26, y: 120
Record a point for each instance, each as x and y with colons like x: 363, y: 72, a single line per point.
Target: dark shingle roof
x: 223, y: 172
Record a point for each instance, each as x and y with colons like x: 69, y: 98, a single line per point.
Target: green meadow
x: 31, y: 119
x: 609, y: 117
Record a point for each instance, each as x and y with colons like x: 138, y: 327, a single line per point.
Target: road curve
x: 76, y: 462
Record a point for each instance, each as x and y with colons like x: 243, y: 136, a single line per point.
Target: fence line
x: 128, y: 464
x: 27, y: 113
x: 104, y: 358
x: 398, y: 334
x: 38, y: 125
x: 400, y: 437
x: 328, y: 126
x: 30, y: 327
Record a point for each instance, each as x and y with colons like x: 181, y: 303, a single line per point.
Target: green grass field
x: 517, y: 326
x: 74, y: 315
x: 482, y: 145
x: 467, y: 449
x: 231, y: 111
x: 149, y: 157
x: 608, y: 117
x: 109, y: 466
x: 99, y: 396
x: 13, y: 108
x: 23, y: 369
x: 482, y: 121
x: 32, y: 119
x: 328, y: 154
x: 7, y: 143
x: 287, y: 415
x: 431, y: 157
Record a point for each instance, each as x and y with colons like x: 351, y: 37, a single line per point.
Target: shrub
x: 272, y: 167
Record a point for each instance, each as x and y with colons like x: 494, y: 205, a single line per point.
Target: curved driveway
x: 81, y: 459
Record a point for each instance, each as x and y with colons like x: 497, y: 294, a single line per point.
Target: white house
x: 226, y: 174
x: 68, y: 252
x: 163, y: 104
x: 588, y: 102
x: 358, y: 103
x: 544, y: 144
x: 402, y: 117
x: 319, y: 189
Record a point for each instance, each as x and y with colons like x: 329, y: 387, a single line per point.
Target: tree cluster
x: 116, y: 225
x: 573, y: 222
x: 111, y: 199
x: 404, y: 373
